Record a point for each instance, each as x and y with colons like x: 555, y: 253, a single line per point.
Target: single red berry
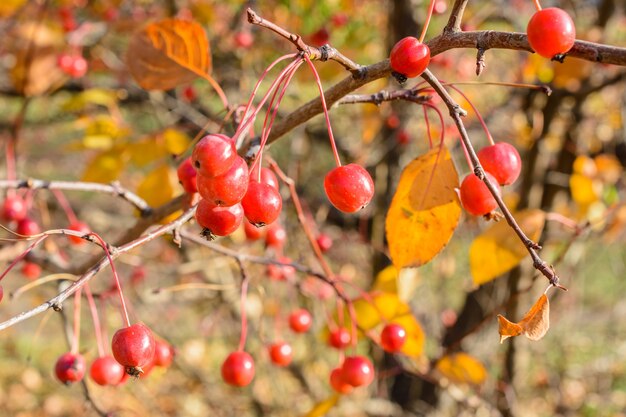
x: 349, y: 187
x: 187, y: 176
x: 218, y: 221
x: 80, y: 227
x: 320, y: 37
x: 163, y: 354
x: 268, y: 177
x: 300, y: 321
x: 409, y: 57
x: 339, y: 338
x: 65, y: 63
x: 475, y: 196
x: 238, y: 369
x: 133, y: 347
x: 339, y: 19
x: 276, y: 236
x: 213, y: 155
x: 70, y: 368
x: 403, y: 137
x: 281, y: 353
x: 324, y: 241
x: 28, y: 227
x: 228, y: 188
x: 357, y: 371
x: 440, y: 7
x: 281, y: 272
x: 392, y: 121
x: 189, y: 94
x: 551, y: 31
x: 392, y: 338
x: 262, y: 203
x: 31, y: 270
x: 338, y: 383
x: 14, y: 209
x: 502, y: 161
x: 244, y: 39
x: 106, y: 371
x: 252, y: 232
x: 79, y: 67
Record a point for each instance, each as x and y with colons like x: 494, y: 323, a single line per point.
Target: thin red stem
x: 480, y: 118
x: 430, y: 14
x: 22, y: 255
x: 65, y: 205
x: 537, y: 5
x: 96, y: 321
x: 443, y: 125
x: 430, y: 137
x: 76, y: 335
x: 323, y: 99
x: 116, y: 278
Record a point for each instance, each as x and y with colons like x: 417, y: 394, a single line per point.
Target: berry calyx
x: 392, y: 338
x: 409, y: 57
x: 551, y: 32
x: 213, y: 155
x: 238, y: 369
x: 349, y: 187
x: 163, y: 354
x: 338, y: 383
x: 14, y: 209
x: 262, y: 203
x: 281, y: 353
x: 502, y: 161
x: 300, y: 320
x: 80, y: 227
x: 106, y: 371
x: 27, y: 227
x: 252, y: 232
x: 339, y: 338
x: 228, y: 188
x: 187, y: 176
x: 70, y: 367
x: 357, y: 371
x: 475, y: 196
x: 218, y: 221
x: 133, y: 347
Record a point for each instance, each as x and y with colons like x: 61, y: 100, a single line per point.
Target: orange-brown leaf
x: 534, y: 325
x: 424, y: 211
x: 168, y: 53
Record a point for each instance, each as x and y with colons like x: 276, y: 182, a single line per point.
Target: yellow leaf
x: 8, y: 7
x: 168, y: 53
x: 105, y: 166
x: 387, y: 280
x: 323, y: 407
x: 498, y: 249
x: 534, y: 325
x: 146, y: 151
x: 609, y: 168
x: 371, y: 123
x: 585, y: 190
x: 176, y: 142
x: 99, y: 96
x: 462, y: 368
x: 424, y: 211
x: 102, y: 132
x: 157, y: 188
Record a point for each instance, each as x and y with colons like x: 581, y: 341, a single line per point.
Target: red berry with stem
x: 475, y: 196
x: 325, y: 242
x: 339, y: 338
x: 133, y: 347
x: 80, y: 227
x: 502, y: 161
x: 14, y: 208
x: 268, y: 177
x: 31, y: 270
x: 238, y: 369
x: 106, y: 371
x: 281, y: 353
x: 262, y: 203
x: 187, y: 176
x: 551, y: 32
x: 163, y: 354
x: 357, y: 371
x: 70, y: 367
x: 349, y: 187
x: 276, y: 236
x: 392, y: 338
x: 300, y: 321
x: 338, y: 383
x: 409, y: 57
x: 213, y: 155
x: 28, y: 227
x: 227, y: 189
x: 218, y: 221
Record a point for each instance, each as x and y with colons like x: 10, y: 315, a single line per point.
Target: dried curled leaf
x: 534, y: 325
x: 168, y: 53
x: 424, y: 211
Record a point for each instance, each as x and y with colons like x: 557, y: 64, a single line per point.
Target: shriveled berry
x: 262, y: 203
x: 502, y: 161
x: 475, y: 196
x: 213, y: 155
x: 409, y: 57
x: 349, y: 187
x: 238, y: 369
x: 187, y: 176
x: 300, y: 320
x: 339, y: 338
x: 281, y: 353
x: 218, y: 221
x: 133, y: 347
x: 70, y: 367
x: 106, y: 371
x: 357, y: 371
x: 227, y: 189
x: 393, y: 337
x: 551, y: 31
